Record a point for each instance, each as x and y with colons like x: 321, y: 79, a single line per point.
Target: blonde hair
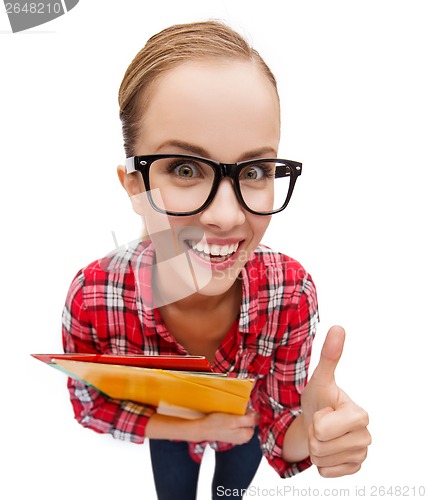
x: 167, y: 49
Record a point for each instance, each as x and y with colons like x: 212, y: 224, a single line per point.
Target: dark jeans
x: 176, y: 473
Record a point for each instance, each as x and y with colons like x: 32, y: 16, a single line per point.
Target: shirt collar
x: 142, y: 259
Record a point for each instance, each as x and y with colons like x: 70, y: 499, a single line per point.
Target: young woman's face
x: 222, y: 110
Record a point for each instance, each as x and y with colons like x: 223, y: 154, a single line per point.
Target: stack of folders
x: 183, y: 386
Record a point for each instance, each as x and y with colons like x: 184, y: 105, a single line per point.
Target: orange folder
x: 186, y: 394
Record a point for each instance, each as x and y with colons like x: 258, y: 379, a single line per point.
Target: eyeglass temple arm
x: 286, y: 172
x: 130, y: 164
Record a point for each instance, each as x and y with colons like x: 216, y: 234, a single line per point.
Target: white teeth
x: 225, y: 250
x: 199, y: 246
x: 214, y: 249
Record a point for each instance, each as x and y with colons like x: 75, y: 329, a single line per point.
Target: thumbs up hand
x: 338, y: 437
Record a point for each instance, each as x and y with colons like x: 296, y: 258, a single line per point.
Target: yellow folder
x: 187, y: 394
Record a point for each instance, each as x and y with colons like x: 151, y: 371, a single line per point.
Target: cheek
x: 259, y: 225
x: 169, y: 234
x: 154, y: 221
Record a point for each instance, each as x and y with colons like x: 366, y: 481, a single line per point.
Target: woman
x: 199, y: 109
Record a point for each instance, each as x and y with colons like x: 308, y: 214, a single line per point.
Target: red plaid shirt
x: 109, y: 310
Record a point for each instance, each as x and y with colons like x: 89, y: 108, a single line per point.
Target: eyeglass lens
x: 183, y: 185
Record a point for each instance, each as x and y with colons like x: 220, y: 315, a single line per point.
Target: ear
x: 132, y: 183
x: 134, y: 186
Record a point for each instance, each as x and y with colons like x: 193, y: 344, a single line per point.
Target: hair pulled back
x: 165, y: 50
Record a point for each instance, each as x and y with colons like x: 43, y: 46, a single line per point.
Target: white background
x: 353, y: 80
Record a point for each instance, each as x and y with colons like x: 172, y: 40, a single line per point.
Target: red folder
x: 179, y: 363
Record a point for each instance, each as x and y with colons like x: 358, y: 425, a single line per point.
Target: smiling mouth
x: 213, y: 252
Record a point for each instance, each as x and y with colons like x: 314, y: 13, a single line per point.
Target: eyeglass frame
x: 221, y: 170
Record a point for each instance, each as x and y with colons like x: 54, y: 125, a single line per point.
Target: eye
x: 256, y: 172
x: 185, y: 171
x: 252, y: 173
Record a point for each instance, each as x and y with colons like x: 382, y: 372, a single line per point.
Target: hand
x: 229, y: 428
x: 338, y: 437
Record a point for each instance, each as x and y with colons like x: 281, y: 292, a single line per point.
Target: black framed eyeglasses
x: 182, y: 185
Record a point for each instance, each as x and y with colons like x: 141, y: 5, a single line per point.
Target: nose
x: 225, y: 211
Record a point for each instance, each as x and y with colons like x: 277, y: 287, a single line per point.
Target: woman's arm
x: 127, y: 420
x: 122, y: 419
x: 295, y: 443
x: 222, y: 427
x: 332, y: 426
x: 278, y: 399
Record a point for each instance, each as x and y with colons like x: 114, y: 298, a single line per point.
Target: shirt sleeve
x: 122, y: 419
x: 279, y: 399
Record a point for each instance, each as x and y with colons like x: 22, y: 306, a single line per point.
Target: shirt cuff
x: 272, y: 445
x: 131, y: 421
x: 124, y: 420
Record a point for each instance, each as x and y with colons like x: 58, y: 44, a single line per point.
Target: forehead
x: 212, y: 103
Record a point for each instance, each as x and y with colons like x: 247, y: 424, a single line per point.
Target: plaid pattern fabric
x: 109, y: 309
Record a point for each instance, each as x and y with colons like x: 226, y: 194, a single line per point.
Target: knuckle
x: 318, y: 426
x: 365, y: 454
x: 325, y: 472
x: 354, y: 468
x: 249, y: 433
x: 343, y: 470
x: 364, y: 439
x: 363, y: 417
x: 320, y: 432
x: 361, y: 455
x: 317, y: 420
x: 314, y: 446
x: 245, y: 435
x: 368, y: 438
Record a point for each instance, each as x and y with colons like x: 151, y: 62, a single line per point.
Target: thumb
x: 330, y: 355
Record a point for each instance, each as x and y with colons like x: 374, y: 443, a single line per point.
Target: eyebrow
x: 199, y: 151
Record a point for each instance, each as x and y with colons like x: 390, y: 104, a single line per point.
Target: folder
x: 183, y: 386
